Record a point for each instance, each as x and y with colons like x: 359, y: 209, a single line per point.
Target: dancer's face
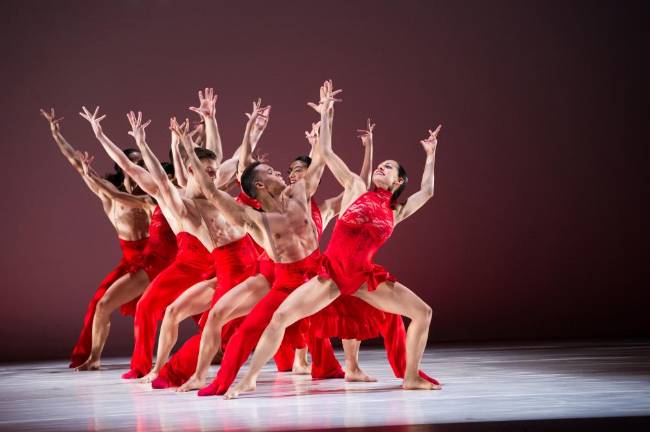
x: 297, y: 170
x: 209, y: 167
x: 386, y: 176
x: 268, y: 178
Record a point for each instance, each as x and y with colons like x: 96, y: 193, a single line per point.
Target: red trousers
x: 286, y: 279
x: 132, y: 261
x: 233, y: 264
x: 189, y: 268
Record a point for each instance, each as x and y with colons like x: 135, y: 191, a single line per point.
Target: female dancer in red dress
x: 367, y: 221
x: 129, y: 214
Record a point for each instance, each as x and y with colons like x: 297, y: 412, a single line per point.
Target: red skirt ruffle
x: 349, y: 279
x: 348, y: 317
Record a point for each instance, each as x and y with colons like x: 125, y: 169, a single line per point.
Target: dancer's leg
x: 304, y: 301
x: 125, y: 289
x: 393, y: 297
x: 164, y: 289
x: 353, y: 372
x: 301, y: 365
x: 191, y: 302
x: 236, y: 303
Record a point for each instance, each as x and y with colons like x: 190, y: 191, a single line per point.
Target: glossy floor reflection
x: 481, y: 384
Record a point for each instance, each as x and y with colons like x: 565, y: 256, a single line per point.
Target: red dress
x: 192, y: 262
x: 160, y: 252
x: 362, y: 229
x: 152, y: 255
x: 132, y: 261
x: 358, y: 234
x: 162, y: 247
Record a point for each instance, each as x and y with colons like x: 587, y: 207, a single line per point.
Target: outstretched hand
x: 207, y: 103
x: 366, y: 134
x: 429, y: 144
x: 327, y: 98
x: 93, y: 119
x: 180, y: 130
x: 259, y: 115
x: 86, y: 160
x: 312, y: 137
x: 137, y: 127
x: 54, y: 122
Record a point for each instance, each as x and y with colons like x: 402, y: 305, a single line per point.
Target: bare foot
x: 357, y: 375
x: 194, y: 383
x: 88, y: 365
x: 419, y: 383
x: 300, y: 368
x: 148, y: 377
x: 243, y: 387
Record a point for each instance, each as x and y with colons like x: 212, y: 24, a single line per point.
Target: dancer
x: 289, y: 237
x: 241, y: 299
x: 367, y: 220
x: 129, y: 214
x: 201, y: 349
x: 191, y: 262
x: 231, y: 262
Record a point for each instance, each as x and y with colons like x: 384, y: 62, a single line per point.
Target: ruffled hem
x: 347, y: 318
x: 349, y: 281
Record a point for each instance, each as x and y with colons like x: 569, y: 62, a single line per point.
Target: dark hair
x: 203, y: 153
x: 304, y: 159
x: 248, y: 179
x: 117, y: 177
x: 401, y: 173
x: 168, y: 167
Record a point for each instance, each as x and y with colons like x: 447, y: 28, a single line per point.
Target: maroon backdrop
x: 534, y: 230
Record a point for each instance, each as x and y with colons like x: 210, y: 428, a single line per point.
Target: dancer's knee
x: 423, y: 313
x: 103, y: 307
x: 172, y: 314
x: 279, y: 320
x: 216, y: 316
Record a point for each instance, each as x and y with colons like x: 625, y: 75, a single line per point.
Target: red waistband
x: 237, y: 251
x: 309, y: 264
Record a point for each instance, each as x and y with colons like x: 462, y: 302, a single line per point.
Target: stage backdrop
x: 535, y: 227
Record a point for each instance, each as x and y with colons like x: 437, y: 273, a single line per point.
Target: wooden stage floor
x: 509, y: 384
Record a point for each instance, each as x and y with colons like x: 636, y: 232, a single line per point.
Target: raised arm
x: 106, y: 188
x: 331, y: 207
x: 366, y: 141
x: 417, y: 200
x: 326, y: 109
x: 207, y: 111
x: 137, y: 173
x: 257, y: 121
x: 341, y: 172
x: 234, y: 212
x: 168, y: 191
x: 68, y: 151
x: 177, y: 160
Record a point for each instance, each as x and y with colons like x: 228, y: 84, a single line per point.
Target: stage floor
x: 487, y: 383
